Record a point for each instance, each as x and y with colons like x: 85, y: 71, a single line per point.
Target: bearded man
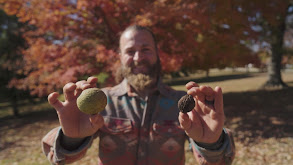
x: 141, y: 124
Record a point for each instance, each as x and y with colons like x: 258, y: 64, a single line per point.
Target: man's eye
x: 145, y: 49
x: 130, y: 52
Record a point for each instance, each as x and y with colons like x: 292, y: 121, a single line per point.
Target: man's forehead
x: 133, y: 43
x: 131, y: 37
x: 128, y: 34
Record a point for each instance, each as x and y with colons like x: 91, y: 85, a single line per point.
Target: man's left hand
x: 205, y: 122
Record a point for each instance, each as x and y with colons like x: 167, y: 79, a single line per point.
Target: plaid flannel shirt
x: 139, y: 132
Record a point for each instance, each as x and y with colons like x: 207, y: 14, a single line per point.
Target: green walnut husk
x: 92, y: 101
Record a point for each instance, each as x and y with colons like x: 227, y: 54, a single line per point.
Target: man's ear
x: 120, y: 56
x: 118, y: 50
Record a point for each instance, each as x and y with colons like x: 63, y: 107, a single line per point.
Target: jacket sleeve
x: 222, y: 156
x: 56, y: 154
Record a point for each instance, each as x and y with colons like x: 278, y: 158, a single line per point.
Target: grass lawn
x: 261, y: 121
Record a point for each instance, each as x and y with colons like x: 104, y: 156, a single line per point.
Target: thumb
x: 219, y: 100
x: 97, y: 121
x: 53, y: 100
x: 184, y: 121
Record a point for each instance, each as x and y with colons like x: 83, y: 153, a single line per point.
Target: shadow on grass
x: 10, y: 122
x: 181, y: 81
x: 260, y: 114
x: 6, y: 104
x: 28, y: 122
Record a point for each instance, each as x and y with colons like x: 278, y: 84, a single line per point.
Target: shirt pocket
x: 116, y: 126
x: 167, y: 129
x: 116, y: 136
x: 168, y: 139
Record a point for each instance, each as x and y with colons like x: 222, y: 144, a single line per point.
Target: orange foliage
x: 71, y: 39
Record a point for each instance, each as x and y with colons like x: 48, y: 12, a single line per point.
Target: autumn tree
x: 223, y: 44
x: 269, y: 19
x: 209, y: 34
x: 72, y: 39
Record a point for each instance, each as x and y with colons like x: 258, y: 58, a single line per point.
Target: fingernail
x: 84, y: 85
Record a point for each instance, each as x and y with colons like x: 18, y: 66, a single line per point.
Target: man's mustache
x: 144, y: 62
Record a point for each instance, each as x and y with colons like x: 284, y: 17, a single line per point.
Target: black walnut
x: 186, y: 103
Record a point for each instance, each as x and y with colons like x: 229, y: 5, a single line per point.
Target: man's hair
x: 140, y: 28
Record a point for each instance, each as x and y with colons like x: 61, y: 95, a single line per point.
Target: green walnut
x: 92, y: 101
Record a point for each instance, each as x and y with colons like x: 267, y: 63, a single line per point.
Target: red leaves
x: 170, y: 63
x: 71, y: 40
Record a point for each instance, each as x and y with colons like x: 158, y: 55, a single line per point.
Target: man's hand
x: 74, y: 123
x: 205, y: 122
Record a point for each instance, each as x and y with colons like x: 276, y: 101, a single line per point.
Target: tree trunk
x: 175, y: 74
x: 207, y: 73
x: 274, y: 73
x: 185, y: 72
x: 274, y: 66
x: 14, y: 103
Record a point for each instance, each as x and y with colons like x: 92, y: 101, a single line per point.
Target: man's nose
x: 138, y: 56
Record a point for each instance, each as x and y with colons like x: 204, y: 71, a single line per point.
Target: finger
x: 80, y: 86
x: 53, y: 100
x: 205, y: 108
x: 93, y: 81
x: 208, y: 92
x: 191, y: 84
x: 196, y: 93
x: 209, y: 98
x: 194, y: 117
x: 219, y: 105
x: 201, y: 94
x: 184, y: 121
x: 97, y: 121
x: 68, y: 91
x: 199, y: 99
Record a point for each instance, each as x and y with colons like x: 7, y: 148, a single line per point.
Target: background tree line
x: 45, y: 44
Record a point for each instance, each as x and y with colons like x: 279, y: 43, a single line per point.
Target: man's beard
x: 140, y: 81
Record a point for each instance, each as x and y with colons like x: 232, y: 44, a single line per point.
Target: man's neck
x: 146, y: 93
x: 142, y: 93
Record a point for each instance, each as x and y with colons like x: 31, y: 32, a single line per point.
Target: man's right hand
x: 74, y: 123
